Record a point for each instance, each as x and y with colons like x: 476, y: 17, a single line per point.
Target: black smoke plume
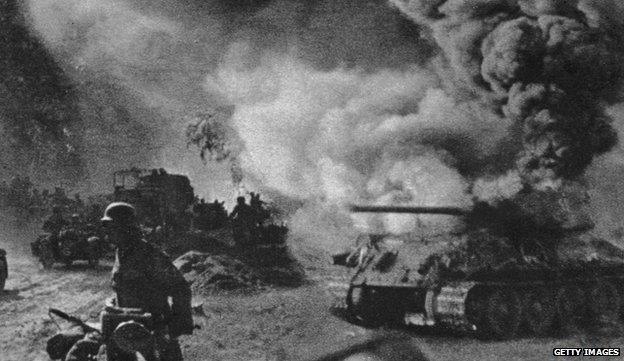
x: 550, y: 66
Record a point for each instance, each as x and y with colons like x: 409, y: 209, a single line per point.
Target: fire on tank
x: 484, y: 281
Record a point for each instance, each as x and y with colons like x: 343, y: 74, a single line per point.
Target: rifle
x: 75, y: 320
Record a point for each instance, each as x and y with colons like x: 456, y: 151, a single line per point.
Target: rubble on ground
x: 215, y: 272
x: 206, y: 272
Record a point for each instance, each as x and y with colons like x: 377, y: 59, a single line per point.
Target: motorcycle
x: 125, y: 334
x: 67, y: 247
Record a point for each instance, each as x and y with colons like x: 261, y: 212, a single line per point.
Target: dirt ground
x: 270, y: 324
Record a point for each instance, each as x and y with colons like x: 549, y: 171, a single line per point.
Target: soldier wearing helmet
x: 144, y: 277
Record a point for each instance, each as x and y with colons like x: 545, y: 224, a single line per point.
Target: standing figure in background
x: 243, y: 219
x: 260, y: 212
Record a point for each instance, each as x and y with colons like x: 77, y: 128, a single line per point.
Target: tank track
x: 495, y: 310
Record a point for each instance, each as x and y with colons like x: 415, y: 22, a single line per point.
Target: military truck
x: 479, y: 281
x: 161, y: 199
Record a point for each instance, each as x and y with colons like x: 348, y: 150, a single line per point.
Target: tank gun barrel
x: 453, y: 211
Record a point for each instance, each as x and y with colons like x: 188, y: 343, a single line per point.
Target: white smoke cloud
x: 347, y: 135
x: 321, y: 111
x: 154, y: 57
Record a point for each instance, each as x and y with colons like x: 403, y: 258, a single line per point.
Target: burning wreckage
x: 510, y: 267
x: 528, y: 255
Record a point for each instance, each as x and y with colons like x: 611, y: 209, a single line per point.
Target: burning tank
x: 516, y: 276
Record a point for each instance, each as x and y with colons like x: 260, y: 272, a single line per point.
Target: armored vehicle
x: 480, y: 281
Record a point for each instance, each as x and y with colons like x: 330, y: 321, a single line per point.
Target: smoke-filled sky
x: 425, y: 102
x: 145, y: 67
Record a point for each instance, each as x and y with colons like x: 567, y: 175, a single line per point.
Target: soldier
x: 55, y: 222
x: 242, y: 212
x: 243, y: 217
x: 260, y: 213
x: 218, y: 214
x: 144, y: 277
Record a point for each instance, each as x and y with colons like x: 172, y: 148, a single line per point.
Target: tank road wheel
x: 361, y: 308
x: 570, y: 303
x: 604, y: 302
x: 476, y: 305
x: 502, y: 315
x: 539, y: 310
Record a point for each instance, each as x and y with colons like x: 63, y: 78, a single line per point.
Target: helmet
x: 121, y: 212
